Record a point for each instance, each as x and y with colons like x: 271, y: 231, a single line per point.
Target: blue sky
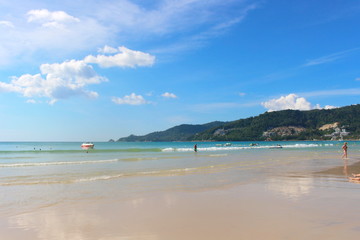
x: 95, y: 70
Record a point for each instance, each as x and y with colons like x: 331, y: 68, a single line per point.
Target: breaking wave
x: 233, y: 148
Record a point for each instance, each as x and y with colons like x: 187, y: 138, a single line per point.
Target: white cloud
x: 126, y: 58
x: 108, y: 50
x: 7, y: 24
x: 74, y: 71
x: 53, y: 34
x: 330, y: 107
x: 63, y: 80
x: 171, y: 17
x: 47, y: 18
x: 72, y: 29
x: 169, y: 95
x: 131, y: 99
x: 56, y: 81
x: 291, y: 101
x: 211, y: 28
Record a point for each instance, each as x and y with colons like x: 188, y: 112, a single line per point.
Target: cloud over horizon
x: 63, y: 80
x: 292, y: 102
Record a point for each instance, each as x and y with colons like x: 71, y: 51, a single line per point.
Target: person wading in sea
x: 344, y: 148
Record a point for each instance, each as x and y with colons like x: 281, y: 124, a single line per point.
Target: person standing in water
x: 195, y: 148
x: 344, y: 148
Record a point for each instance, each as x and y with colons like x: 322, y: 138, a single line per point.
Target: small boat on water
x: 87, y: 145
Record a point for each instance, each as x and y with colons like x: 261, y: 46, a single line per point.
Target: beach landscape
x: 168, y: 191
x: 179, y: 120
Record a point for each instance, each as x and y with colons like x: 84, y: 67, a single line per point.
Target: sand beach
x: 289, y: 193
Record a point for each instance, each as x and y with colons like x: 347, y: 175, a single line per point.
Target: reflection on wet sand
x: 100, y: 221
x: 243, y: 212
x: 349, y: 171
x: 291, y: 187
x: 138, y: 218
x: 53, y: 224
x: 355, y: 177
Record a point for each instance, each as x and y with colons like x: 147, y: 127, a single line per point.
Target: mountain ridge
x: 178, y: 133
x: 344, y: 123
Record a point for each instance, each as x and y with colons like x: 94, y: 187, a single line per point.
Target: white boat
x: 87, y: 145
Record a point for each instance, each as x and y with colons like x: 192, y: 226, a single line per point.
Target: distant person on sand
x: 195, y: 148
x: 344, y: 148
x: 355, y: 178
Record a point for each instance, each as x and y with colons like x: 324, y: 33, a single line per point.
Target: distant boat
x: 87, y: 145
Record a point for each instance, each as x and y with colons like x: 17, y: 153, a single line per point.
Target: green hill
x: 179, y: 133
x: 290, y: 125
x: 338, y: 123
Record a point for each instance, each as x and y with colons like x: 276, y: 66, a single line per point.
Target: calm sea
x: 43, y: 173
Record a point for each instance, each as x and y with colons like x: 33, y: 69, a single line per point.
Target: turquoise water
x: 27, y: 163
x: 43, y: 173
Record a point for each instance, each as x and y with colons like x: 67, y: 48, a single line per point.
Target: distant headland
x: 319, y: 124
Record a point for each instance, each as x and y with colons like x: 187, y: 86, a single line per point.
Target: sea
x: 38, y: 174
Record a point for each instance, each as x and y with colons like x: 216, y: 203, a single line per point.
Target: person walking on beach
x: 344, y: 148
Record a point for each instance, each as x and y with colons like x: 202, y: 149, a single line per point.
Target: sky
x: 90, y: 70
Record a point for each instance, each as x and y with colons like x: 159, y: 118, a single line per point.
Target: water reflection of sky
x: 291, y: 187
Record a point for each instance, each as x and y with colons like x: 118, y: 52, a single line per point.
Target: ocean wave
x: 36, y: 164
x: 40, y: 164
x: 303, y: 145
x: 232, y: 148
x: 54, y: 151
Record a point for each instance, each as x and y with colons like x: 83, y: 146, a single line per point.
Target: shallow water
x: 44, y: 169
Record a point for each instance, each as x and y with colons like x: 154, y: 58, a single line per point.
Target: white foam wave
x: 232, y: 148
x: 99, y: 178
x: 35, y: 164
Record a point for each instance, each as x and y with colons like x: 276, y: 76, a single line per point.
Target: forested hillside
x: 296, y: 125
x: 178, y: 133
x: 338, y: 123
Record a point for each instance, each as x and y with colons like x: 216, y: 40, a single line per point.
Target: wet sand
x: 251, y: 211
x: 348, y: 168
